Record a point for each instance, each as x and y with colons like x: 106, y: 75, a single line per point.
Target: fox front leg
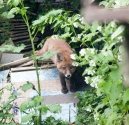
x: 72, y: 84
x: 63, y: 83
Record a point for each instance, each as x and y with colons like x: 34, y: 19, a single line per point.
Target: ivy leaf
x: 27, y: 86
x: 126, y: 96
x: 119, y: 30
x: 54, y: 108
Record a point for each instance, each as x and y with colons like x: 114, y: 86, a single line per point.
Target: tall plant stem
x: 33, y: 49
x: 35, y: 63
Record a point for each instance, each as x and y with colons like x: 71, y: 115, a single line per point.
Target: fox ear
x: 60, y: 57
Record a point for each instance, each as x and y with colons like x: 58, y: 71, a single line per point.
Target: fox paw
x: 64, y: 90
x: 72, y: 89
x: 37, y: 53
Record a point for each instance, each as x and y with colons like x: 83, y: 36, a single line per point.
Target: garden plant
x: 99, y: 51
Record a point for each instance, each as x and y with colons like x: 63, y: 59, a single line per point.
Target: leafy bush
x: 32, y: 109
x: 88, y: 101
x: 103, y: 71
x: 52, y: 121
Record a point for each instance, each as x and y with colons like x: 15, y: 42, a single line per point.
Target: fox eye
x: 71, y: 67
x: 64, y: 67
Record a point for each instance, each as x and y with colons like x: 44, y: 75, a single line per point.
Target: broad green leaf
x: 31, y: 103
x: 26, y: 118
x: 115, y: 92
x: 119, y: 30
x: 121, y: 49
x: 103, y: 3
x: 126, y: 96
x: 112, y: 116
x: 47, y: 55
x: 38, y: 99
x: 100, y: 106
x: 12, y: 123
x: 67, y: 29
x: 5, y: 15
x: 107, y: 86
x: 108, y: 111
x: 8, y: 1
x: 36, y: 22
x: 1, y: 6
x: 24, y: 106
x: 1, y: 114
x: 12, y: 48
x: 115, y: 75
x: 54, y: 108
x: 13, y: 11
x: 16, y: 2
x: 43, y: 109
x: 45, y: 18
x: 66, y: 35
x: 108, y: 56
x: 1, y: 2
x: 94, y: 26
x: 23, y: 11
x: 27, y: 86
x: 127, y: 119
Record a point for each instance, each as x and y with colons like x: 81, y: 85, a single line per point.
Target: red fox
x: 62, y: 61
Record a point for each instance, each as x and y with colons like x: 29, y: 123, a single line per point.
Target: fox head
x: 64, y: 65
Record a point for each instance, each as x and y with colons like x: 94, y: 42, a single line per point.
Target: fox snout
x: 68, y: 75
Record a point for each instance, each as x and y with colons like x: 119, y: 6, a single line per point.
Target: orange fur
x: 62, y: 60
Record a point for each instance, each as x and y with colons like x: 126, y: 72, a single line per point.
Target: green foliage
x: 31, y: 110
x: 4, y: 29
x: 27, y: 86
x: 103, y: 71
x: 66, y: 25
x: 52, y: 121
x: 15, y: 49
x: 7, y: 106
x: 46, y: 55
x: 100, y: 55
x: 88, y: 101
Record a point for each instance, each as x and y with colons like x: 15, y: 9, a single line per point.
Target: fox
x: 62, y: 61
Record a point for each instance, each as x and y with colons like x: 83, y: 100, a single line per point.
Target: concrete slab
x: 44, y: 74
x: 3, y: 76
